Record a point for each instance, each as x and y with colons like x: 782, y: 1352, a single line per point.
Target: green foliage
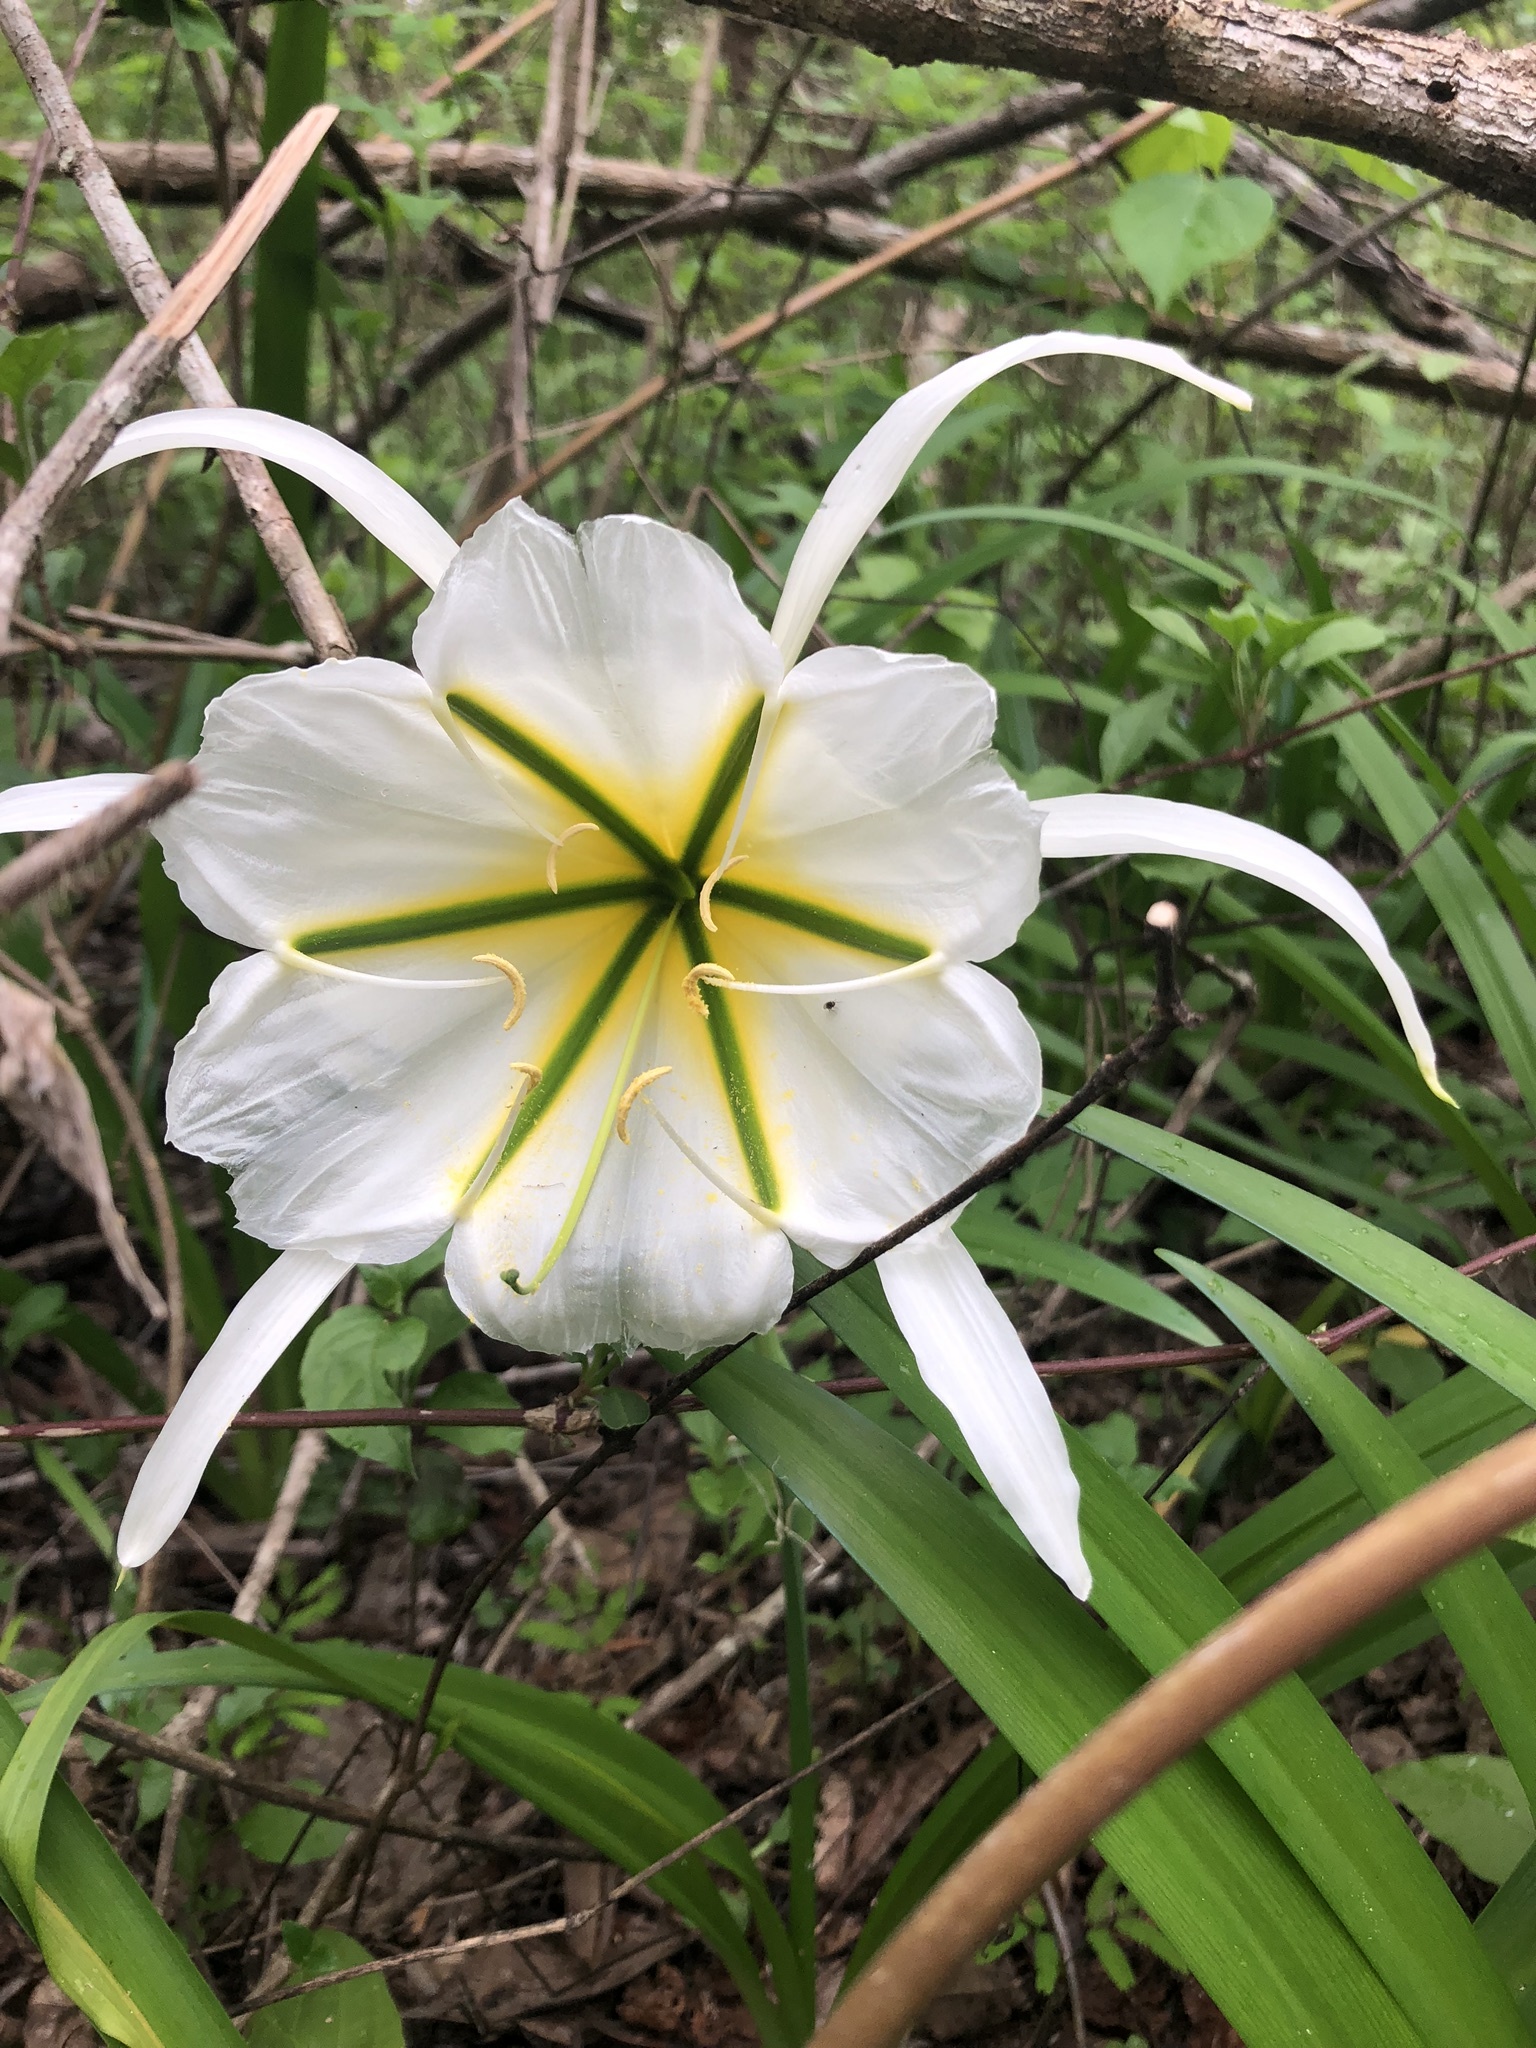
x: 361, y: 2013
x: 359, y: 1358
x: 1474, y: 1804
x: 1178, y: 224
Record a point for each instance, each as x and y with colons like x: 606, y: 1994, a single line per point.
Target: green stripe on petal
x: 477, y: 913
x: 834, y: 925
x: 729, y: 777
x: 583, y: 1028
x: 558, y: 775
x: 731, y: 1061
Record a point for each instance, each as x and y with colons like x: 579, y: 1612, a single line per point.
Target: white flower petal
x: 375, y: 500
x: 355, y: 1116
x: 868, y: 479
x: 333, y: 794
x: 872, y: 1104
x: 260, y: 1328
x: 1088, y: 827
x: 659, y: 1256
x: 50, y: 806
x: 626, y: 653
x: 970, y: 1355
x: 880, y: 796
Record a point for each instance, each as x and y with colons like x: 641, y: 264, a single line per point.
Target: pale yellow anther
x: 630, y: 1097
x: 531, y: 1077
x: 519, y: 986
x: 708, y: 889
x: 554, y: 848
x: 708, y: 974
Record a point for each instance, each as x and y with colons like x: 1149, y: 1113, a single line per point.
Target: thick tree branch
x: 1445, y: 105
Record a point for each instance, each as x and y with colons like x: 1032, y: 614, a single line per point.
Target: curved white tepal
x: 375, y: 500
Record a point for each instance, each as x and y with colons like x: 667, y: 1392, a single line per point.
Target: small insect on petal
x: 519, y: 986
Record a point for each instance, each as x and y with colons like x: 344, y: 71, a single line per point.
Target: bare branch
x: 1445, y: 105
x: 76, y: 152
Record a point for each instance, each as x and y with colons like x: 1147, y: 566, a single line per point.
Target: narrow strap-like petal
x: 260, y: 1328
x: 865, y: 483
x: 1088, y: 827
x: 50, y: 806
x: 970, y: 1355
x: 386, y: 508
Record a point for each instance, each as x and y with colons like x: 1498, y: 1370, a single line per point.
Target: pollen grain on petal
x: 519, y: 986
x: 708, y: 974
x: 555, y: 845
x: 630, y: 1097
x: 706, y: 915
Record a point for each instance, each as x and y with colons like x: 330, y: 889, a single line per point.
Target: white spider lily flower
x: 627, y: 948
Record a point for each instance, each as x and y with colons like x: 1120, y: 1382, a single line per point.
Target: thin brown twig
x: 182, y: 1757
x: 568, y: 1923
x: 486, y: 48
x: 79, y: 156
x: 148, y: 355
x: 1447, y: 1520
x: 83, y: 1021
x: 1240, y: 757
x: 44, y: 865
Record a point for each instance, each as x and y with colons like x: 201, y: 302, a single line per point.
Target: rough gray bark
x: 1444, y: 104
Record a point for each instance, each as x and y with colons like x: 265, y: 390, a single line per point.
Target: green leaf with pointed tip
x: 1454, y: 1311
x: 357, y: 2015
x: 1487, y: 1622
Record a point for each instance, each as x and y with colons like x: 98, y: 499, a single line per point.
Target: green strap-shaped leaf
x: 1193, y: 1848
x: 1302, y: 965
x: 1487, y: 1622
x: 1454, y: 1311
x: 1443, y: 1428
x: 995, y: 1238
x: 1160, y: 1599
x: 28, y: 1777
x: 1507, y: 1929
x: 103, y: 1942
x: 1474, y: 921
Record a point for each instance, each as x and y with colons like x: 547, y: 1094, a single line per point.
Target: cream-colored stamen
x: 519, y: 986
x: 554, y: 848
x: 708, y: 889
x: 710, y: 974
x: 630, y: 1096
x: 528, y: 1078
x: 931, y: 963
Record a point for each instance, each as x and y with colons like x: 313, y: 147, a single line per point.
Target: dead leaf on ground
x: 834, y: 1832
x: 54, y: 2021
x: 43, y: 1092
x: 907, y: 1794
